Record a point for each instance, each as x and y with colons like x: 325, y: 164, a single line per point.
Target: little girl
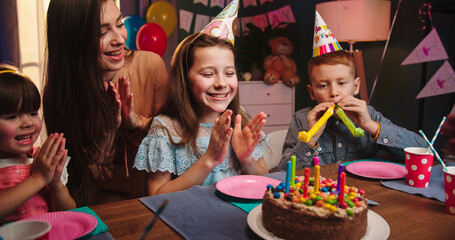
x: 28, y: 186
x: 192, y: 142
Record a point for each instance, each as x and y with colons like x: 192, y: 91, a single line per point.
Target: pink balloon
x: 151, y: 37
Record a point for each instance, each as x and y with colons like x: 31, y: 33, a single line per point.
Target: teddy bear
x: 278, y: 65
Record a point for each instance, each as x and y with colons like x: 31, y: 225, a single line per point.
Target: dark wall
x: 9, y: 41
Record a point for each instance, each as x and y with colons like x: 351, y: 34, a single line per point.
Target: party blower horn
x: 224, y: 24
x: 306, y: 136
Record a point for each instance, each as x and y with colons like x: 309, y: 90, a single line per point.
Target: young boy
x: 333, y: 81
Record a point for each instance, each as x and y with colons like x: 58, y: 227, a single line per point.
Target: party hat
x: 223, y: 25
x: 324, y: 41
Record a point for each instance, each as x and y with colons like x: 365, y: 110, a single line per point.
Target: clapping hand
x: 48, y: 157
x: 132, y: 120
x: 220, y: 137
x: 245, y: 140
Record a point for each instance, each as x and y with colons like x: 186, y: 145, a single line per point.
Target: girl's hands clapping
x: 245, y: 140
x: 220, y: 138
x: 48, y: 157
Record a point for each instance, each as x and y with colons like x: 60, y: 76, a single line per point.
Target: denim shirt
x: 337, y: 144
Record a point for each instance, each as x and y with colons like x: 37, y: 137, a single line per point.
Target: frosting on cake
x: 320, y: 215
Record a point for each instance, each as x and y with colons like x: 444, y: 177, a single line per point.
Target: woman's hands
x: 125, y: 104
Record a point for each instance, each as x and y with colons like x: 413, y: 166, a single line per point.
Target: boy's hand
x: 356, y: 109
x: 313, y: 117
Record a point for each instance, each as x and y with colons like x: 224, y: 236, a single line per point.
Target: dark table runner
x: 198, y: 213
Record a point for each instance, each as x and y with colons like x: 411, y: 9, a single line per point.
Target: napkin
x: 434, y: 190
x: 245, y: 204
x: 101, y: 227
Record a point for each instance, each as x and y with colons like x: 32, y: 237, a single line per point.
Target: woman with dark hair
x: 101, y: 96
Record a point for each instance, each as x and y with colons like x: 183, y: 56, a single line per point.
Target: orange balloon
x: 163, y: 14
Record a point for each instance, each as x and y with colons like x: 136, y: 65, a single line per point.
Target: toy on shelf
x: 278, y: 65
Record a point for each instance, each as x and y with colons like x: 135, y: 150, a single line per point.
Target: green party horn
x: 356, y: 132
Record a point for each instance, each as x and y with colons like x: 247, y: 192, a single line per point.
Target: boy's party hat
x: 223, y: 25
x: 324, y: 41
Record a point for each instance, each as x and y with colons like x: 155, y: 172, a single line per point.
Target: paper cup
x: 449, y: 188
x: 26, y: 230
x: 418, y: 166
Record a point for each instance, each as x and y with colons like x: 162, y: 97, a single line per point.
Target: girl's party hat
x: 224, y: 24
x: 324, y: 41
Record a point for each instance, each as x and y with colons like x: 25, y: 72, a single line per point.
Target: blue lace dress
x: 157, y: 153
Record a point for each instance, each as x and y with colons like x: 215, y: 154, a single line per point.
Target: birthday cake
x: 321, y: 215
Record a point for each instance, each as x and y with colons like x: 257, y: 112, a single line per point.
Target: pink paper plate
x: 378, y: 170
x: 245, y: 186
x: 67, y: 225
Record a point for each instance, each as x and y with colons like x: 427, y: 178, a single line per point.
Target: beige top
x: 149, y: 84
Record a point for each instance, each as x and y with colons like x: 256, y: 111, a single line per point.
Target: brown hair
x: 180, y: 104
x: 18, y: 94
x: 333, y: 58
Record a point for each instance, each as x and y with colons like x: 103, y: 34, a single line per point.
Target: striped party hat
x: 324, y: 41
x: 224, y: 24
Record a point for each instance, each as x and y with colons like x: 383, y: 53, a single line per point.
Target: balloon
x: 132, y: 24
x: 151, y: 37
x: 163, y: 14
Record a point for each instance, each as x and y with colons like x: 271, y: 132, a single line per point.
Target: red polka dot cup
x: 418, y: 166
x: 449, y: 187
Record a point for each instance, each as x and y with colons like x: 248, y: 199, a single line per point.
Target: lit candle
x: 341, y: 184
x: 340, y: 170
x: 317, y: 168
x: 306, y: 183
x: 293, y: 171
x: 316, y: 161
x: 288, y: 176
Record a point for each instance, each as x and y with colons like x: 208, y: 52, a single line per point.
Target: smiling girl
x: 203, y: 134
x: 101, y: 95
x: 29, y: 185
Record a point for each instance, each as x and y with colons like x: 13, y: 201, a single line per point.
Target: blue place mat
x: 434, y: 190
x: 198, y: 213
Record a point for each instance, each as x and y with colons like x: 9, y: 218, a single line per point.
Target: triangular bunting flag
x: 442, y: 82
x: 430, y: 49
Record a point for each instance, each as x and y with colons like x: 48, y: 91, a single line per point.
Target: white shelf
x: 277, y: 101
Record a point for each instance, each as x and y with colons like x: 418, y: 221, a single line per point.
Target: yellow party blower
x: 306, y: 136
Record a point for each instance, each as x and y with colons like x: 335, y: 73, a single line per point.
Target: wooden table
x: 409, y: 216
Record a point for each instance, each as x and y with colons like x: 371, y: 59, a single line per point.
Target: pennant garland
x: 442, y: 82
x: 273, y: 17
x: 430, y: 49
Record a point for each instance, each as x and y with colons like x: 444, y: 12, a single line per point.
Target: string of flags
x: 428, y: 50
x: 194, y: 22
